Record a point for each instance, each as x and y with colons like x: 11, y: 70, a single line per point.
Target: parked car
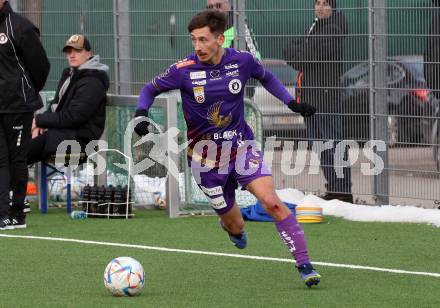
x: 277, y: 118
x: 411, y: 105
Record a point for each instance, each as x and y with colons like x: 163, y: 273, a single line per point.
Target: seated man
x: 78, y: 109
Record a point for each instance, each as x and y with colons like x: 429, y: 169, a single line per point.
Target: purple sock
x: 292, y: 235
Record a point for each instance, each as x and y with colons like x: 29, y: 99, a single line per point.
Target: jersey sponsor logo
x: 3, y: 38
x: 231, y: 66
x: 213, y: 191
x: 215, y: 74
x: 206, y: 136
x: 235, y: 86
x: 226, y: 135
x: 197, y: 75
x: 215, y: 118
x: 185, y: 63
x: 165, y: 74
x: 218, y: 203
x: 199, y: 82
x: 199, y: 94
x: 234, y: 73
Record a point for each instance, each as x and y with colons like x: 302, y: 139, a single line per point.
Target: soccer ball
x: 124, y: 276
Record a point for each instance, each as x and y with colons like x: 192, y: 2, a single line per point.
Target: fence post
x: 172, y: 185
x: 121, y: 27
x: 378, y: 93
x: 240, y: 24
x: 122, y: 62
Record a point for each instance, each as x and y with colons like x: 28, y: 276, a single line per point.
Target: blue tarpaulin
x: 257, y: 213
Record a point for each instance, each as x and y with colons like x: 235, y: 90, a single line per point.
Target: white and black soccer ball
x: 124, y: 276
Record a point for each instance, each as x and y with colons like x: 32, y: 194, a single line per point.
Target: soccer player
x: 222, y: 152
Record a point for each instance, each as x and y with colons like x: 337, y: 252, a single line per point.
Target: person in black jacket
x: 23, y: 72
x: 318, y: 56
x: 432, y: 53
x: 78, y: 109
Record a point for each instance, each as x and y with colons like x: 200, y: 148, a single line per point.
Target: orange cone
x: 31, y: 189
x: 309, y: 213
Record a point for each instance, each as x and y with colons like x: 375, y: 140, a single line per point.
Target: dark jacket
x: 23, y: 63
x: 82, y: 107
x: 432, y: 56
x: 319, y: 55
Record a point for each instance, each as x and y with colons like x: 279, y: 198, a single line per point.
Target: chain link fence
x: 378, y: 88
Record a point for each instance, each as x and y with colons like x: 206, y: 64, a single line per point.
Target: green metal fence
x: 139, y: 38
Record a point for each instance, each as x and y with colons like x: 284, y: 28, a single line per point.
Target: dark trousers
x: 46, y: 144
x: 15, y: 133
x: 325, y: 127
x: 36, y: 151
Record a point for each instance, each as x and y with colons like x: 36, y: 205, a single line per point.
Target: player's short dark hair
x: 215, y: 20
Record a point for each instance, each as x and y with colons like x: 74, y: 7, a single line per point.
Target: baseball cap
x: 78, y: 42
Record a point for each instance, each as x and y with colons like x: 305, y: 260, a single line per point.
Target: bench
x: 47, y: 169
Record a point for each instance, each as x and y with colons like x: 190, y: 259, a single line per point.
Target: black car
x: 411, y: 105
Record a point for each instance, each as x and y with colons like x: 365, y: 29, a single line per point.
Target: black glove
x: 141, y: 128
x: 304, y: 109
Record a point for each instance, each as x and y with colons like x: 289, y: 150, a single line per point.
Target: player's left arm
x: 272, y: 84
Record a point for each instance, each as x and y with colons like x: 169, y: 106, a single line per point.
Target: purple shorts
x: 219, y: 184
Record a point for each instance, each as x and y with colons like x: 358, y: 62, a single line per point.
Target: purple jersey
x: 212, y: 95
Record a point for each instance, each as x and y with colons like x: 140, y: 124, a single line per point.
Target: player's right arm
x: 166, y: 81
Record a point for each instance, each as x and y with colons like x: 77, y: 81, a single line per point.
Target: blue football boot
x: 309, y: 275
x: 240, y: 241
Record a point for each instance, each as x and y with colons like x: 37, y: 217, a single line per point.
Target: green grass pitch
x: 42, y: 273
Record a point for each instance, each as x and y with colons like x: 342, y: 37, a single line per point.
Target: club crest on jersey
x: 199, y: 94
x: 235, y: 86
x: 3, y: 38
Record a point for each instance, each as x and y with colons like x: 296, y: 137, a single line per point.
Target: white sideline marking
x: 220, y: 254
